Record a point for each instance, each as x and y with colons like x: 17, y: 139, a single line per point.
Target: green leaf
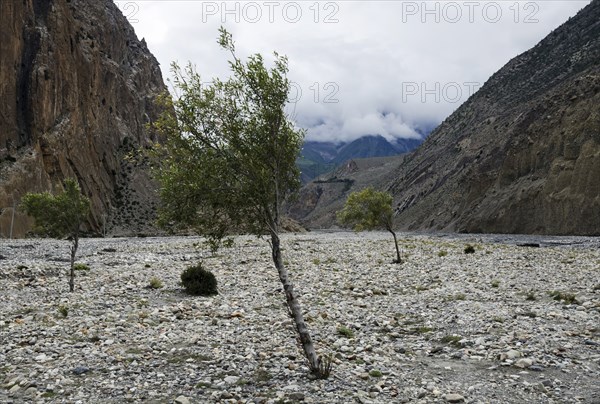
x: 228, y: 163
x: 58, y: 215
x: 367, y: 210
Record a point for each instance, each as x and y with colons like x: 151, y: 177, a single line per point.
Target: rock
x: 79, y: 370
x: 296, y: 396
x: 231, y: 379
x: 182, y: 400
x: 454, y: 398
x: 524, y: 363
x: 511, y: 354
x: 31, y: 391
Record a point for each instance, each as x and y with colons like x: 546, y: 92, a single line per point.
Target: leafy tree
x: 369, y: 210
x: 228, y: 163
x: 59, y: 216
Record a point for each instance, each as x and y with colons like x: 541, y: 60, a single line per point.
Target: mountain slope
x: 77, y: 89
x: 522, y: 155
x: 319, y: 158
x: 367, y: 146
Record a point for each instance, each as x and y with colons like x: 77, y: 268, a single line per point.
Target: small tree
x: 59, y: 216
x: 369, y: 210
x: 229, y: 161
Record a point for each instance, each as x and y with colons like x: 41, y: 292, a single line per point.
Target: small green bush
x: 469, y: 249
x: 458, y: 296
x: 345, y: 332
x: 452, y: 339
x: 81, y: 267
x: 566, y: 298
x: 442, y: 253
x: 155, y: 283
x: 199, y: 282
x: 63, y: 310
x: 495, y: 283
x: 375, y: 373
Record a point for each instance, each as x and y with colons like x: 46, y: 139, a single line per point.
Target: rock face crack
x: 32, y: 39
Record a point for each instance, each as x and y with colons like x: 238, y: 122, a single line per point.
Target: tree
x: 228, y: 163
x: 369, y: 210
x: 59, y: 216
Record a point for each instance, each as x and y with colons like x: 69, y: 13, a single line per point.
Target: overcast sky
x: 358, y: 67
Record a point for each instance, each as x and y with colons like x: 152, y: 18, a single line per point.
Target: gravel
x: 507, y: 324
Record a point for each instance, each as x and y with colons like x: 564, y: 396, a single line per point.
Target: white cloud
x: 379, y: 69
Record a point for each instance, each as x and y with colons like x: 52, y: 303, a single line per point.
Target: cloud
x: 377, y: 67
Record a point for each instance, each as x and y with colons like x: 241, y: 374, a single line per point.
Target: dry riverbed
x: 506, y: 324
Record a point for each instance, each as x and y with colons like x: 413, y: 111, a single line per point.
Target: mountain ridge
x: 318, y: 158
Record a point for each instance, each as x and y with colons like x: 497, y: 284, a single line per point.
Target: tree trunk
x: 398, y: 260
x: 73, y: 252
x: 294, y: 306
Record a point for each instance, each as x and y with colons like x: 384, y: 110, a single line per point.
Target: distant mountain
x: 321, y: 157
x: 374, y: 146
x: 522, y: 155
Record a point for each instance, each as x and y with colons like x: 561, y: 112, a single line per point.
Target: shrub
x: 442, y: 253
x: 345, y: 332
x: 155, y: 283
x: 81, y: 267
x: 458, y: 296
x: 469, y: 249
x: 567, y: 298
x: 63, y: 310
x: 495, y: 283
x: 199, y: 282
x: 452, y: 339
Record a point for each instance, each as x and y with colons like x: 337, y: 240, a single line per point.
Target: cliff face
x: 76, y: 90
x: 522, y: 155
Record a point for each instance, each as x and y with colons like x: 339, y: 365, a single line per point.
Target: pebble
x: 524, y: 363
x: 79, y: 370
x: 231, y: 379
x: 454, y: 398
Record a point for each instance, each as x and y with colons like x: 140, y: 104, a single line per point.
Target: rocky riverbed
x: 506, y: 324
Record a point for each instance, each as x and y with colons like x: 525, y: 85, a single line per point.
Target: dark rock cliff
x: 77, y: 89
x: 522, y: 155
